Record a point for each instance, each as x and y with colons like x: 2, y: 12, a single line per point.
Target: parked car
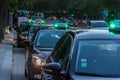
x: 39, y: 48
x: 84, y: 55
x: 22, y: 32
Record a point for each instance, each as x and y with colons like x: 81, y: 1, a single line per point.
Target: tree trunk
x: 3, y: 17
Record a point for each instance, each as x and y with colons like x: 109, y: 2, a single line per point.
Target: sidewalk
x: 6, y: 52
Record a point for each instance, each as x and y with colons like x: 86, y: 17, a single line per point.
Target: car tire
x: 30, y: 75
x: 26, y: 75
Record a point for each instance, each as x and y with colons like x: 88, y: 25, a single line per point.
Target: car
x: 97, y: 24
x: 40, y: 46
x: 22, y: 32
x: 84, y: 55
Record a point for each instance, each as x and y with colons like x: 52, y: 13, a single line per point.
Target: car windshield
x: 48, y: 39
x: 99, y: 57
x: 33, y: 29
x: 99, y: 24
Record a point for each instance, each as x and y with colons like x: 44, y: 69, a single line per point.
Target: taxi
x: 38, y: 49
x: 84, y: 55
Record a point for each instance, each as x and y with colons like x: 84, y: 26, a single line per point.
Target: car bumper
x: 36, y: 69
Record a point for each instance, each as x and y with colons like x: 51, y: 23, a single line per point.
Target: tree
x: 3, y: 17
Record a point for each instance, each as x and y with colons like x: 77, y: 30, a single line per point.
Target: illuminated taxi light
x: 33, y: 21
x: 112, y: 25
x: 56, y: 25
x: 42, y: 21
x: 43, y: 25
x: 29, y: 20
x: 66, y: 26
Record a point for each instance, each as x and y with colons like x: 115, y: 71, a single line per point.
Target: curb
x: 6, y: 69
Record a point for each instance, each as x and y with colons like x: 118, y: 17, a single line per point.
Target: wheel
x: 26, y: 75
x: 30, y: 75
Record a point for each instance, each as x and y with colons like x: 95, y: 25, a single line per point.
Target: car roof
x: 95, y: 34
x: 116, y: 20
x: 52, y: 30
x: 35, y: 24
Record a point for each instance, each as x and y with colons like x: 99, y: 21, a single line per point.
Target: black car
x: 84, y: 55
x: 22, y: 32
x: 40, y: 47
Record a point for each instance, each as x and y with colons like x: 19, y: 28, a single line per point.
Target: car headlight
x: 38, y: 60
x: 23, y: 37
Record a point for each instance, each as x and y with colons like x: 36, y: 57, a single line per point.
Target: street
x: 12, y: 59
x: 18, y: 64
x: 59, y: 40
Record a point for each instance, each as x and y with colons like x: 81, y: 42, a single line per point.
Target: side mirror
x: 51, y: 68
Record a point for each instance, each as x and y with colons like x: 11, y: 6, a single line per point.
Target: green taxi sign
x: 61, y: 26
x: 56, y: 25
x: 29, y: 20
x: 114, y: 26
x: 33, y: 21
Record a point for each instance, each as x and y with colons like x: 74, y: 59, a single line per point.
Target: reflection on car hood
x: 78, y: 77
x: 43, y: 52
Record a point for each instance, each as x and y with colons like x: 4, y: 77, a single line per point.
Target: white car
x: 97, y: 24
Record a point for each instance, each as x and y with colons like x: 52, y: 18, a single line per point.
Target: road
x: 18, y: 64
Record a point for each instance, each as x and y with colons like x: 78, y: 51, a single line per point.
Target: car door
x: 61, y: 55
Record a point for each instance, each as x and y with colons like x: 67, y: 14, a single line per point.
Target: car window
x: 99, y: 57
x: 62, y: 53
x: 98, y: 24
x: 32, y: 30
x: 48, y: 39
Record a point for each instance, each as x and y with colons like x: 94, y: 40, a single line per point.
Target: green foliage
x: 79, y: 7
x: 20, y: 4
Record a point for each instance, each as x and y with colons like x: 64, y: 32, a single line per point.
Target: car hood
x: 43, y: 53
x: 46, y: 53
x: 78, y: 77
